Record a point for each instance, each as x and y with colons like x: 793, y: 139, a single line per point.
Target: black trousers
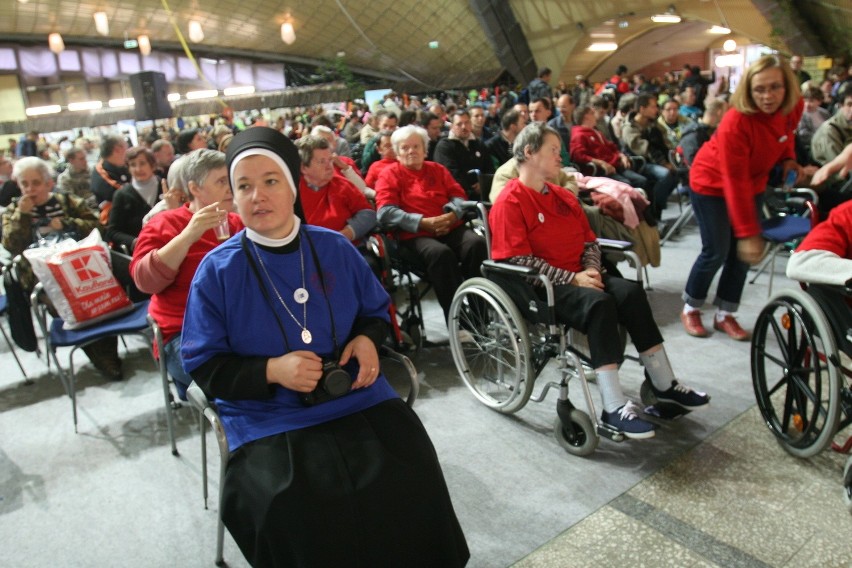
x: 449, y: 260
x: 598, y: 314
x: 364, y: 490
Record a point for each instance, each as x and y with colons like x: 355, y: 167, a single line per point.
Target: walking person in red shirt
x: 727, y: 182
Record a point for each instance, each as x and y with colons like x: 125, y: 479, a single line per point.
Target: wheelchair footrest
x: 606, y: 431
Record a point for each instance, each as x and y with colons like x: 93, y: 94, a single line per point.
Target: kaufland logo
x: 87, y: 271
x: 83, y: 269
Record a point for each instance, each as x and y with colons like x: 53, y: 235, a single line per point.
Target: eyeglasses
x: 773, y: 88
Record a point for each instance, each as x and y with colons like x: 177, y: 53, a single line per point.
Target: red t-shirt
x: 168, y: 305
x: 551, y: 226
x: 735, y: 163
x: 834, y: 234
x: 333, y: 205
x: 424, y: 191
x: 376, y: 168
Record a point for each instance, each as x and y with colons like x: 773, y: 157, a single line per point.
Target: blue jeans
x: 718, y: 250
x: 174, y: 365
x: 664, y: 180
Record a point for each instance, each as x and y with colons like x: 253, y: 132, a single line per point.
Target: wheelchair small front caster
x: 577, y: 436
x: 847, y: 484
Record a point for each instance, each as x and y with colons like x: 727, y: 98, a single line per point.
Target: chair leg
x: 72, y: 383
x: 164, y: 375
x: 220, y: 529
x: 202, y: 423
x: 11, y: 345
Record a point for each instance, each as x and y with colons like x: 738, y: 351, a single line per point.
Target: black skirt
x: 362, y: 490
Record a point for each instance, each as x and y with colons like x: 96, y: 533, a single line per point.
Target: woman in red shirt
x: 538, y: 224
x: 728, y: 178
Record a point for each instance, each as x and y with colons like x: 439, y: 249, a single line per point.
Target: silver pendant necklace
x: 300, y: 295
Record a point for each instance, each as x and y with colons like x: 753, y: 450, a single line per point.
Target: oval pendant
x: 301, y: 295
x: 306, y: 336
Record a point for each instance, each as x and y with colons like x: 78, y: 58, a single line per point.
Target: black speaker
x: 149, y: 90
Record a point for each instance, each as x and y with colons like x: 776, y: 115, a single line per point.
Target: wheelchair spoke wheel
x: 796, y: 385
x: 847, y: 484
x: 490, y: 345
x: 579, y: 438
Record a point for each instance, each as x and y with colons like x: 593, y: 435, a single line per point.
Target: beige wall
x: 11, y: 101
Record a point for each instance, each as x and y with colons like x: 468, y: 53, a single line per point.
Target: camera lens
x: 337, y: 382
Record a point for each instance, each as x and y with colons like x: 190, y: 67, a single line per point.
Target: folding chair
x: 787, y: 230
x: 207, y: 414
x: 134, y: 322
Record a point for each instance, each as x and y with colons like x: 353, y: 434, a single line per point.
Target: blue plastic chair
x: 785, y: 231
x: 134, y: 322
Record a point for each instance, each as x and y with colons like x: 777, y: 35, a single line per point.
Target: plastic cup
x: 222, y: 230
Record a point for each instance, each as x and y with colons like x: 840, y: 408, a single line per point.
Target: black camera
x: 334, y: 383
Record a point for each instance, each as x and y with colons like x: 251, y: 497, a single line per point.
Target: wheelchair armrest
x: 414, y: 380
x: 614, y: 245
x: 506, y: 268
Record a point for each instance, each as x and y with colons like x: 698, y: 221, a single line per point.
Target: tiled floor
x: 691, y: 513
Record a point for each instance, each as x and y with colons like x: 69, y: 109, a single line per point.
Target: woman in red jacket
x: 728, y: 179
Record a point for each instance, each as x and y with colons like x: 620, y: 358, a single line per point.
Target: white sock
x: 610, y: 388
x: 722, y: 314
x: 687, y: 309
x: 659, y: 369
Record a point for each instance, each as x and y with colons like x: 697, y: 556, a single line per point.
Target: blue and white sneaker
x: 626, y: 419
x: 681, y: 395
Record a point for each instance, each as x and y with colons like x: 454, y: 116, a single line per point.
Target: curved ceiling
x: 389, y: 38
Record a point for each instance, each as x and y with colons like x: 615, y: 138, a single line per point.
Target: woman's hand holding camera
x: 298, y: 370
x: 364, y: 351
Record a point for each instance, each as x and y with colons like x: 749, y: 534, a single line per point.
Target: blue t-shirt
x: 227, y: 314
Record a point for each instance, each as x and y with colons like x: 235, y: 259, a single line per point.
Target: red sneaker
x: 730, y: 326
x: 692, y: 324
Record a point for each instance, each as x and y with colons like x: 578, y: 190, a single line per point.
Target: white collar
x: 268, y: 242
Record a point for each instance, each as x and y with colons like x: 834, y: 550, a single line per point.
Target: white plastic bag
x: 77, y: 278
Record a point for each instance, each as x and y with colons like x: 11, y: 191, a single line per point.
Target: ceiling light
x: 732, y: 60
x: 36, y: 111
x: 603, y: 46
x: 196, y: 34
x: 232, y: 91
x: 665, y: 18
x: 172, y: 97
x: 623, y: 24
x: 602, y: 36
x: 88, y: 105
x: 729, y: 45
x: 119, y: 103
x: 54, y: 41
x: 288, y: 34
x: 101, y: 23
x: 434, y: 44
x: 721, y: 30
x: 202, y: 94
x: 144, y: 44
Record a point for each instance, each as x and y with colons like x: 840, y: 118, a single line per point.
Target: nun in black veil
x: 283, y: 322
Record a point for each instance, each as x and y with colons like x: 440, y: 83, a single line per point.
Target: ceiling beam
x: 506, y: 37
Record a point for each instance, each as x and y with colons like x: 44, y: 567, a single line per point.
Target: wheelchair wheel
x: 583, y: 440
x: 493, y: 358
x: 847, y: 484
x: 796, y: 384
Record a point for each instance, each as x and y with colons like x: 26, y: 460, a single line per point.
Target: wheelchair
x: 801, y: 366
x: 502, y: 335
x: 401, y: 271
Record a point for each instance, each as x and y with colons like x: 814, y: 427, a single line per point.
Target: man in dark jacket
x: 461, y: 152
x: 110, y: 173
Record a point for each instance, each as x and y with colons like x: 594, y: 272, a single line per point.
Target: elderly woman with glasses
x: 727, y: 181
